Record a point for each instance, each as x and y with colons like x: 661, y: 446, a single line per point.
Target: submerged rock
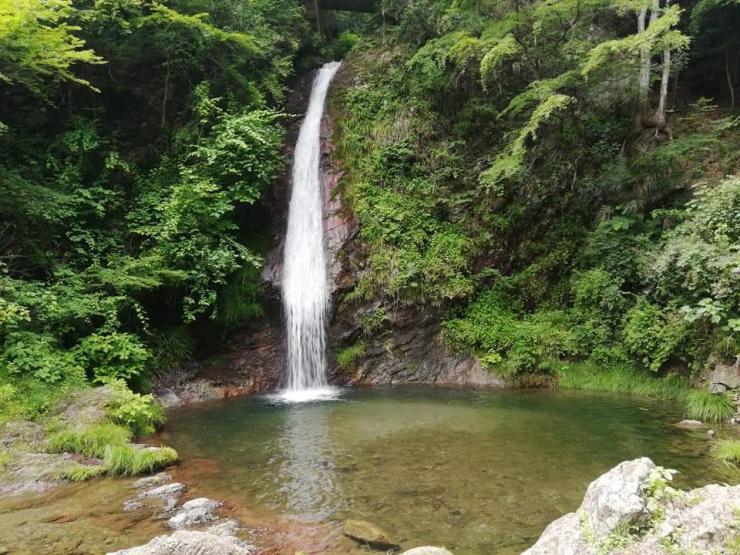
x: 632, y: 510
x: 427, y: 550
x: 689, y: 424
x: 194, y: 512
x: 366, y: 533
x: 152, y: 481
x: 190, y: 542
x: 167, y: 490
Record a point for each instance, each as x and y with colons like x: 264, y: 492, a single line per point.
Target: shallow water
x: 480, y: 472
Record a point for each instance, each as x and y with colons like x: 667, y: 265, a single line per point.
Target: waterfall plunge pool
x: 480, y: 472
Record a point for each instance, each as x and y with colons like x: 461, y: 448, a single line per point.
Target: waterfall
x: 305, y: 282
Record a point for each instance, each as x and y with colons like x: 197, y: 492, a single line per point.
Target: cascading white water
x: 305, y: 281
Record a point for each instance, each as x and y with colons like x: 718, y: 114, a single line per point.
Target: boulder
x: 194, y: 512
x: 617, y: 498
x: 631, y: 510
x: 427, y: 550
x: 190, y: 542
x: 366, y: 533
x: 723, y: 377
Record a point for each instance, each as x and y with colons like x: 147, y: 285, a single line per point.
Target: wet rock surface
x: 427, y: 550
x: 194, y: 512
x: 632, y: 510
x: 367, y: 533
x: 191, y: 542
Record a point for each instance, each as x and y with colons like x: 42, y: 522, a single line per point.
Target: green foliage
x: 38, y: 45
x: 652, y: 334
x: 135, y: 143
x: 709, y: 407
x: 141, y: 414
x: 81, y: 472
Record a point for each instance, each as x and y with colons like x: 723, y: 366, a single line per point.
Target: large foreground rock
x: 427, y: 550
x: 632, y: 510
x: 188, y: 542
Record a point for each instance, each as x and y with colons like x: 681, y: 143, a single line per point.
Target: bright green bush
x: 141, y: 414
x: 654, y: 335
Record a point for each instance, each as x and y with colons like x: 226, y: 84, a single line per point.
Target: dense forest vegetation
x: 557, y: 177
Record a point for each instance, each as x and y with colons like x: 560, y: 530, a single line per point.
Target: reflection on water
x: 306, y: 465
x: 480, y: 472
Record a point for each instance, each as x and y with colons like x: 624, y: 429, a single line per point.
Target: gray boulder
x: 167, y: 490
x: 152, y: 481
x: 194, y: 512
x: 631, y: 510
x: 190, y: 542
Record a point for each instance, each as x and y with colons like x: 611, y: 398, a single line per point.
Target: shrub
x: 91, y: 442
x: 141, y: 414
x: 113, y: 356
x: 127, y: 460
x: 654, y: 335
x: 709, y: 407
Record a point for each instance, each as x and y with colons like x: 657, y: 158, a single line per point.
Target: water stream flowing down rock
x: 305, y: 282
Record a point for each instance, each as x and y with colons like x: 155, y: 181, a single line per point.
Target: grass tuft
x: 127, y: 460
x: 81, y: 472
x: 621, y: 379
x: 709, y: 407
x: 348, y: 355
x: 728, y: 451
x: 91, y: 442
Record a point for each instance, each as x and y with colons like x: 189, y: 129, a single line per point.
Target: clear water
x: 480, y: 472
x: 305, y: 282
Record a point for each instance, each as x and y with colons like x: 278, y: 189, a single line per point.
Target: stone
x: 689, y: 424
x: 132, y: 505
x: 427, y: 550
x: 366, y: 533
x: 698, y: 521
x: 723, y: 377
x: 194, y: 512
x: 152, y: 481
x: 167, y: 490
x: 616, y: 499
x: 190, y: 542
x: 562, y: 537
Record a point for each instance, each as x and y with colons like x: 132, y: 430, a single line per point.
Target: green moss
x: 127, y: 460
x: 350, y: 354
x: 709, y: 407
x: 92, y: 442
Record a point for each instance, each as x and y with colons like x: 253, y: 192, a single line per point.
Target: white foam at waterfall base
x: 305, y: 281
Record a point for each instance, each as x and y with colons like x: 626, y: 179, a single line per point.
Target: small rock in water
x: 689, y: 424
x: 152, y: 481
x: 132, y: 505
x: 196, y: 511
x: 427, y: 550
x: 168, y: 490
x: 368, y: 534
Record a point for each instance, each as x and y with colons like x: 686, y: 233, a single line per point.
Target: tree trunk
x: 644, y: 78
x: 660, y: 112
